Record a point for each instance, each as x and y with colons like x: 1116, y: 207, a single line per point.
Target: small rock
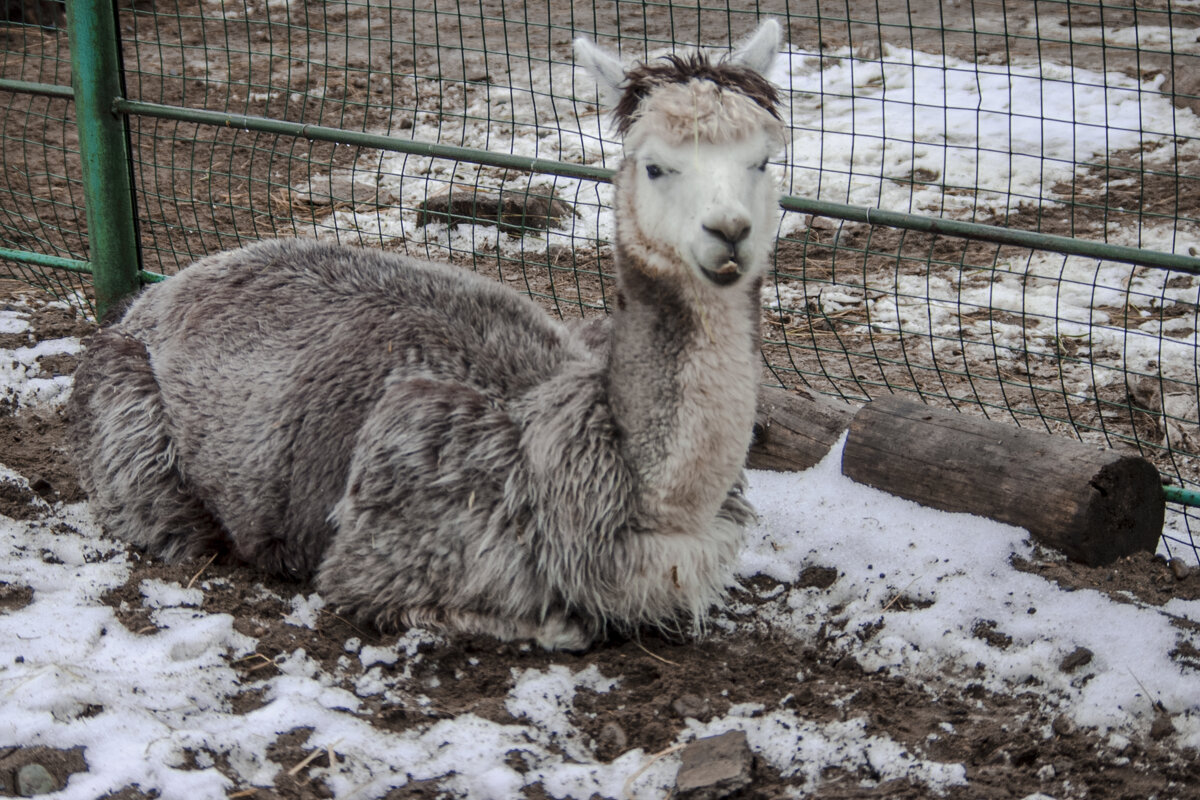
x: 848, y: 664
x: 44, y: 488
x: 1161, y: 728
x: 691, y: 705
x: 1063, y: 725
x: 803, y: 696
x: 1077, y: 658
x: 1046, y: 773
x: 34, y: 779
x: 1025, y: 757
x: 1000, y: 757
x: 1180, y: 569
x: 817, y: 577
x: 612, y: 739
x: 714, y: 767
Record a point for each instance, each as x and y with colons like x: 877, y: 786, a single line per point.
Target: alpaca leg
x: 125, y: 456
x: 556, y: 632
x: 559, y: 632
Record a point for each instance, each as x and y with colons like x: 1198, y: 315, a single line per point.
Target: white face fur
x: 696, y: 187
x: 713, y: 207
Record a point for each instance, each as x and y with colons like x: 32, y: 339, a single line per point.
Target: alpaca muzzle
x: 724, y: 275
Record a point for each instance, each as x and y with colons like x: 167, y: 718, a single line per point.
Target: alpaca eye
x: 654, y: 171
x: 763, y: 166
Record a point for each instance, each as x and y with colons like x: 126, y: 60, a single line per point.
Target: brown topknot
x: 643, y: 79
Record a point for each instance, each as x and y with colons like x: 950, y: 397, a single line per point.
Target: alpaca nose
x: 730, y: 230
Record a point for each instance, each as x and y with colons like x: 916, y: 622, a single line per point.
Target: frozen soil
x: 1008, y: 743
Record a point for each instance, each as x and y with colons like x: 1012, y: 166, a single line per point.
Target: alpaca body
x: 434, y: 448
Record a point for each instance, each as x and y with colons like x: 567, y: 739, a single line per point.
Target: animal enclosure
x: 991, y: 207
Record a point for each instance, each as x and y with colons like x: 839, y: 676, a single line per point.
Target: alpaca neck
x: 683, y: 377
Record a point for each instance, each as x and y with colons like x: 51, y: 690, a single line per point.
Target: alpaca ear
x: 759, y: 51
x: 601, y: 65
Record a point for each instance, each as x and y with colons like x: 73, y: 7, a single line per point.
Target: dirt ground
x: 1000, y: 738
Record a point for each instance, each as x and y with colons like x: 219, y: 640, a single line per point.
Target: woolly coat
x: 424, y: 440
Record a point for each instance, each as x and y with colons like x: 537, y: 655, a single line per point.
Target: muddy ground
x: 999, y: 738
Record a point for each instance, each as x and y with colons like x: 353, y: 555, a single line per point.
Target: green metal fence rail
x: 103, y: 150
x: 992, y: 208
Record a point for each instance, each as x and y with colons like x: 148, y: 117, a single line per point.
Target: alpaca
x: 432, y: 448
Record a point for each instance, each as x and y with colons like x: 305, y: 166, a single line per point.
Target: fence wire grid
x: 413, y: 127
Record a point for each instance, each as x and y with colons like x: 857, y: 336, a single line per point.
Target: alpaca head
x: 694, y: 191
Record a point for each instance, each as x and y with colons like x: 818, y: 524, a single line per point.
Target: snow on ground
x: 864, y: 129
x: 20, y: 382
x: 163, y: 697
x: 169, y: 693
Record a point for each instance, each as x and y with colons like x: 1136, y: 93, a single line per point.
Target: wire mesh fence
x: 42, y: 203
x: 462, y: 132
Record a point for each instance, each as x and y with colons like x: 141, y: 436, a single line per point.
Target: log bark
x: 1092, y: 503
x: 793, y: 430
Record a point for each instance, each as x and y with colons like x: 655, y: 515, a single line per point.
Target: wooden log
x: 1092, y: 503
x: 795, y: 429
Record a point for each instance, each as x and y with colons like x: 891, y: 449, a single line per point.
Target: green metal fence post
x: 104, y: 151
